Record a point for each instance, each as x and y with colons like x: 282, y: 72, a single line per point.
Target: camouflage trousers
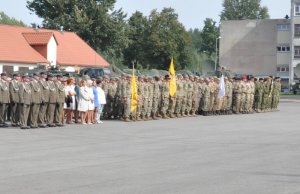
x: 127, y: 106
x: 150, y: 105
x: 165, y: 105
x: 145, y: 106
x: 275, y: 101
x: 189, y: 103
x: 184, y: 104
x: 206, y: 103
x: 237, y: 102
x: 258, y: 103
x: 178, y: 105
x: 155, y: 106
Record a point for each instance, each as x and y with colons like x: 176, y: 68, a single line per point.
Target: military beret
x: 43, y: 73
x: 59, y: 75
x: 167, y: 77
x: 51, y: 75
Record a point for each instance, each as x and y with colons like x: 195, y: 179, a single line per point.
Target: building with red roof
x: 23, y: 48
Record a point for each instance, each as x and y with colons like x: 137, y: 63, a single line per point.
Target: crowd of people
x: 47, y: 100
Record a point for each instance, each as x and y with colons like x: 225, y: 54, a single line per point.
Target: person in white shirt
x: 101, y: 100
x: 83, y: 101
x: 91, y: 105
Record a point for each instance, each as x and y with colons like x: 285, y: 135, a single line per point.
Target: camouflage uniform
x: 150, y: 97
x: 258, y: 96
x: 179, y: 93
x: 165, y: 98
x: 276, y: 94
x: 206, y: 91
x: 156, y: 97
x: 237, y: 97
x: 190, y: 97
x: 184, y: 95
x: 127, y: 98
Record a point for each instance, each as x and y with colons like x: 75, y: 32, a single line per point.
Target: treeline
x: 148, y: 41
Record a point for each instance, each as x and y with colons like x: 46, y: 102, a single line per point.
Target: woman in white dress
x: 83, y: 101
x: 91, y: 105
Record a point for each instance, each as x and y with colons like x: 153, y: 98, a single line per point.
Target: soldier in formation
x: 195, y: 96
x: 38, y: 101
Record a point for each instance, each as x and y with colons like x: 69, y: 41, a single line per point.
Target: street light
x: 216, y: 60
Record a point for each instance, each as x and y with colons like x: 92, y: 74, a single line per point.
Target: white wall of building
x: 52, y: 51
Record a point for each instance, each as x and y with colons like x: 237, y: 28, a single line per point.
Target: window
x: 297, y: 52
x: 283, y: 68
x: 297, y: 9
x: 283, y: 49
x: 297, y: 30
x: 283, y: 27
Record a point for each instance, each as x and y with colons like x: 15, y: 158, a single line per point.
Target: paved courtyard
x: 239, y: 154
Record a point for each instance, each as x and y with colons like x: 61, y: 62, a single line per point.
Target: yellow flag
x: 134, y: 96
x: 173, y: 79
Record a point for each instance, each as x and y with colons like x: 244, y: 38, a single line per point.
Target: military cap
x: 3, y: 74
x: 201, y: 78
x: 16, y: 75
x: 106, y: 77
x: 34, y: 75
x: 25, y: 76
x: 185, y: 76
x: 43, y: 73
x: 51, y: 75
x: 59, y: 75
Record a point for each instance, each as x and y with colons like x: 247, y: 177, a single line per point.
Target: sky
x: 192, y: 13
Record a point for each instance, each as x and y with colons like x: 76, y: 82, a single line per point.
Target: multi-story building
x: 263, y: 47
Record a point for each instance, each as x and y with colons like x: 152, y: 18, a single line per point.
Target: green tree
x: 95, y: 21
x: 209, y: 34
x: 5, y: 19
x: 197, y: 39
x: 166, y: 37
x: 136, y: 51
x: 243, y: 9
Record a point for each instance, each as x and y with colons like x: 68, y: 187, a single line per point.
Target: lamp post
x: 216, y: 60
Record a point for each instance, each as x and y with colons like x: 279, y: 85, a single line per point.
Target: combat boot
x: 165, y: 116
x: 138, y: 118
x: 127, y: 119
x: 172, y: 115
x: 158, y: 115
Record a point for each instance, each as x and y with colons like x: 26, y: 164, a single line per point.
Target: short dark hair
x: 98, y: 81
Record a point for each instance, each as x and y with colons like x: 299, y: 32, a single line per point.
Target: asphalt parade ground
x: 237, y: 154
